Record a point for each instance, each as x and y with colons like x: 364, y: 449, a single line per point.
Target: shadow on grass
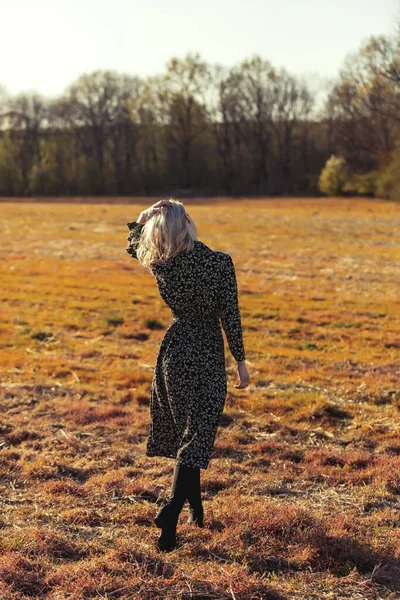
x: 74, y: 473
x: 277, y: 543
x: 153, y: 565
x: 338, y: 555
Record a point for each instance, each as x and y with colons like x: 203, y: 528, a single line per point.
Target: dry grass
x: 302, y: 495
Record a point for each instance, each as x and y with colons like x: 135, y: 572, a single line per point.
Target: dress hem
x: 174, y: 455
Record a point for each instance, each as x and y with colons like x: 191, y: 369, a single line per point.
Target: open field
x: 301, y: 498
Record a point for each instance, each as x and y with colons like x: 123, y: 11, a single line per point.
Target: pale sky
x: 46, y: 44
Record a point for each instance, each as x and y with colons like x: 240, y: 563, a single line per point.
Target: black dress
x: 189, y: 384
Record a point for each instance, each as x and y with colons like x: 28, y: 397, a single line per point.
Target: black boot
x: 167, y: 517
x: 196, y: 512
x: 196, y: 516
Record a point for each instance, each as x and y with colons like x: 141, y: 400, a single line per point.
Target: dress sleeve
x: 230, y: 311
x: 134, y: 237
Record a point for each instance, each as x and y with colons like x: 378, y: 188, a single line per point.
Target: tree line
x: 205, y: 129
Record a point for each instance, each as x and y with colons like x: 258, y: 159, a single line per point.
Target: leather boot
x: 196, y: 516
x: 196, y: 512
x: 167, y: 516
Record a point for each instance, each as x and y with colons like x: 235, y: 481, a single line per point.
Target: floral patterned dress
x: 189, y: 384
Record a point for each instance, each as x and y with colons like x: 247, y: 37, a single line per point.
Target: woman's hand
x: 146, y: 214
x: 244, y: 377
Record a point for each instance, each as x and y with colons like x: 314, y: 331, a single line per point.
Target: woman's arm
x: 137, y: 226
x: 230, y: 311
x: 231, y: 320
x: 134, y: 237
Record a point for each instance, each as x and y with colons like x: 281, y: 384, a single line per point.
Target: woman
x: 189, y: 385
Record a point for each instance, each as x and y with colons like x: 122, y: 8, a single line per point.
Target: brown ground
x: 302, y: 496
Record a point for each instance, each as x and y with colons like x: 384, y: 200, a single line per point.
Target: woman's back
x: 200, y: 286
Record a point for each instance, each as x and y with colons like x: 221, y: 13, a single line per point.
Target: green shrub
x: 388, y: 182
x: 334, y: 176
x: 336, y: 179
x: 362, y: 184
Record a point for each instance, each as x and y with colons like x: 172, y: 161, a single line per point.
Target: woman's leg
x: 167, y: 516
x: 194, y: 499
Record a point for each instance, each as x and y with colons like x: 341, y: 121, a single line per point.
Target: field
x: 301, y: 497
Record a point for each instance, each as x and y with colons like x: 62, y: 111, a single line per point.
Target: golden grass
x: 302, y: 495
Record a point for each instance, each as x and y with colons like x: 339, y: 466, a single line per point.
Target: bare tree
x: 292, y: 107
x: 229, y: 127
x: 98, y: 112
x: 25, y: 118
x: 3, y: 98
x: 365, y: 104
x: 182, y: 109
x: 257, y: 102
x: 144, y: 110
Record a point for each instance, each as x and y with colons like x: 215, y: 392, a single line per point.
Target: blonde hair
x: 165, y: 235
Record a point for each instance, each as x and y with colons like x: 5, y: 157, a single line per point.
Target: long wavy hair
x: 165, y: 235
